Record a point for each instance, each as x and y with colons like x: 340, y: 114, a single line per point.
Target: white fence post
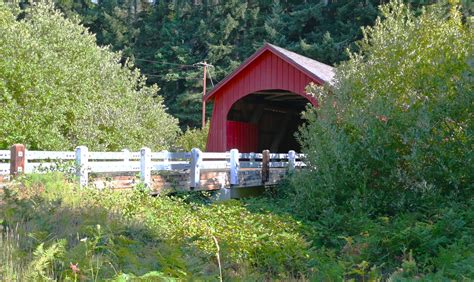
x: 145, y: 166
x: 166, y: 160
x: 82, y: 163
x: 126, y: 156
x: 252, y: 159
x: 291, y: 160
x: 234, y: 167
x: 196, y: 161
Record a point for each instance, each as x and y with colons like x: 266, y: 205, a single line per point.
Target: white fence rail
x: 19, y: 160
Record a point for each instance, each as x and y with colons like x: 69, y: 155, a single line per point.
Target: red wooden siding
x: 242, y: 136
x: 266, y: 72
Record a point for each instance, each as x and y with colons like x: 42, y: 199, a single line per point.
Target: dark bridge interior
x: 266, y: 120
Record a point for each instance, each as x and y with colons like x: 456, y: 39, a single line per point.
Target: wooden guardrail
x: 193, y: 170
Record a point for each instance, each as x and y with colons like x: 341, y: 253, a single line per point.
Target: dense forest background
x: 166, y: 38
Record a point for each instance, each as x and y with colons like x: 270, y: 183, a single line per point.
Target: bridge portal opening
x: 265, y: 120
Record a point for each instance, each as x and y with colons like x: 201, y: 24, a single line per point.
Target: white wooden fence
x: 145, y: 162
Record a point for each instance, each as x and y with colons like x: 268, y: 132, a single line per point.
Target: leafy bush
x: 390, y: 189
x: 58, y: 89
x: 193, y: 138
x: 395, y: 132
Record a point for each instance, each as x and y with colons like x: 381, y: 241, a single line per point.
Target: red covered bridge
x: 258, y: 106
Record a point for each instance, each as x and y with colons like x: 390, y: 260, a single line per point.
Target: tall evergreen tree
x: 165, y: 38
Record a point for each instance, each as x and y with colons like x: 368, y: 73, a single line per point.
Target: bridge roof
x: 318, y: 71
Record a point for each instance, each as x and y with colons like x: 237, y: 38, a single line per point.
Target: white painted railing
x: 144, y: 162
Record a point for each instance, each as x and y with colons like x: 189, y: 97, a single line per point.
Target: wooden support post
x: 17, y: 160
x: 234, y: 167
x: 195, y: 173
x: 82, y: 165
x: 291, y: 160
x: 265, y: 166
x: 145, y: 166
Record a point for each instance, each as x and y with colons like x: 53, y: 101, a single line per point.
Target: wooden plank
x: 180, y: 155
x: 212, y: 155
x: 278, y: 164
x: 278, y: 156
x: 50, y: 155
x: 134, y: 156
x: 171, y: 155
x: 4, y: 168
x: 4, y: 154
x: 158, y: 155
x: 100, y: 167
x: 107, y: 156
x: 215, y: 165
x: 33, y: 167
x: 171, y: 166
x: 250, y: 164
x: 251, y: 155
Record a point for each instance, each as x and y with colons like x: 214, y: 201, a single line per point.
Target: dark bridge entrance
x: 265, y: 120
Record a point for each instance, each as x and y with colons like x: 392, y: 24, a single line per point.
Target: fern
x: 42, y: 265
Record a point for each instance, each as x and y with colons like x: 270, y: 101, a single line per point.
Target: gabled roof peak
x: 318, y: 71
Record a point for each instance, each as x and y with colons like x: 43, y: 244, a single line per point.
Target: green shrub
x: 58, y: 89
x: 395, y: 131
x: 389, y: 189
x: 193, y: 138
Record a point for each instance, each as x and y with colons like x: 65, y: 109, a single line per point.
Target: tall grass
x: 11, y: 268
x: 63, y: 232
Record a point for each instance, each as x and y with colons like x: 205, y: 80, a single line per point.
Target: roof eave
x: 236, y: 71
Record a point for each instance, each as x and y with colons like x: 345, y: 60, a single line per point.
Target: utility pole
x: 204, y: 78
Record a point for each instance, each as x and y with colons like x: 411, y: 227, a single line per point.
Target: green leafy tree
x: 165, y: 38
x: 58, y: 89
x: 396, y: 130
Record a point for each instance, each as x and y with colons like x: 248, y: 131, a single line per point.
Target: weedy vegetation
x: 388, y: 194
x: 53, y: 230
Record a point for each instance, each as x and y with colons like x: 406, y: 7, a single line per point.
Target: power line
x: 210, y: 77
x: 165, y: 76
x: 165, y: 63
